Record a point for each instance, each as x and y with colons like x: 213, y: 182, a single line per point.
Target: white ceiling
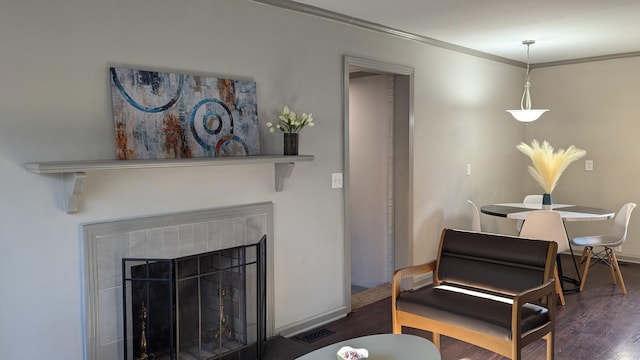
x: 564, y: 30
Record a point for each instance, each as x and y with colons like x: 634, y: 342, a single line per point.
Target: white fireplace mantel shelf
x: 74, y: 172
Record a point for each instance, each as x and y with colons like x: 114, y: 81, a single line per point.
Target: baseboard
x: 419, y: 281
x: 621, y: 257
x: 629, y: 258
x: 311, y: 323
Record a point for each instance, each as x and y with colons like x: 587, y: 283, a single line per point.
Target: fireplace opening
x: 205, y: 306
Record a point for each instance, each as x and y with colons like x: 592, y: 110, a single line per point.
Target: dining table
x: 519, y: 211
x: 569, y: 213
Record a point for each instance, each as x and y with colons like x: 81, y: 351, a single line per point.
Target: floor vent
x: 314, y: 335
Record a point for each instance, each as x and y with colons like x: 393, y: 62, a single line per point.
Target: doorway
x: 378, y: 111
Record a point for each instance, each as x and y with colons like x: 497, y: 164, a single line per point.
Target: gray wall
x: 55, y: 105
x: 370, y: 147
x: 594, y: 106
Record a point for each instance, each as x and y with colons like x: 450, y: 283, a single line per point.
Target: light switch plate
x: 588, y: 165
x: 336, y: 180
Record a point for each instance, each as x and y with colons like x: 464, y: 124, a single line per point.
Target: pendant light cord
x: 525, y: 102
x: 526, y: 114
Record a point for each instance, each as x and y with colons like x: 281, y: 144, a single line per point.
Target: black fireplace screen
x: 204, y: 306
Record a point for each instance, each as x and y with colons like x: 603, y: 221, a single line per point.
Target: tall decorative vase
x: 546, y: 202
x: 291, y: 143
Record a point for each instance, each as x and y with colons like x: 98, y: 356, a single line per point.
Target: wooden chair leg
x: 611, y: 265
x: 587, y: 262
x: 584, y: 252
x: 615, y: 262
x: 558, y: 284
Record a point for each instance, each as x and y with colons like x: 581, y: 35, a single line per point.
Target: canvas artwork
x: 163, y: 115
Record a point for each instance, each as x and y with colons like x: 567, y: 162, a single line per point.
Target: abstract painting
x: 164, y: 115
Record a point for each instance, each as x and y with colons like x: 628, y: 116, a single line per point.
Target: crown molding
x: 586, y: 59
x: 344, y: 19
x: 341, y: 18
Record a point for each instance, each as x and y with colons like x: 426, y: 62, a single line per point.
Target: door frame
x: 402, y: 178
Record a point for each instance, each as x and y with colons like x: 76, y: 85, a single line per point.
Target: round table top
x: 519, y: 211
x: 382, y: 347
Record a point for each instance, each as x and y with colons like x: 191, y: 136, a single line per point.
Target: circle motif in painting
x: 148, y: 91
x: 209, y: 119
x: 231, y: 145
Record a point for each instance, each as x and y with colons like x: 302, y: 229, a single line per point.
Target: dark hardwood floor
x: 598, y: 323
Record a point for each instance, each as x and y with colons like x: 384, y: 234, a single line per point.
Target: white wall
x: 55, y: 105
x: 370, y: 116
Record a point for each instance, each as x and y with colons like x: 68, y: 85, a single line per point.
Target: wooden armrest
x: 546, y: 290
x: 409, y: 271
x: 534, y: 294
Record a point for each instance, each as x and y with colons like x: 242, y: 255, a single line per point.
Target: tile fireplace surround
x: 161, y: 236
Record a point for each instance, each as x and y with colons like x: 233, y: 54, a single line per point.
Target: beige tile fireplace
x: 159, y: 236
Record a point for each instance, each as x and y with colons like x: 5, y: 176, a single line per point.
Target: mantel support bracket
x: 73, y: 173
x: 72, y: 188
x: 72, y: 184
x: 282, y: 171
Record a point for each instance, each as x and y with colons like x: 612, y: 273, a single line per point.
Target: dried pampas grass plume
x: 547, y: 165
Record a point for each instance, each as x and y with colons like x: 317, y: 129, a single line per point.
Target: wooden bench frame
x: 542, y: 294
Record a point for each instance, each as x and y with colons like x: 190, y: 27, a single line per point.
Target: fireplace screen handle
x: 143, y: 335
x: 224, y: 330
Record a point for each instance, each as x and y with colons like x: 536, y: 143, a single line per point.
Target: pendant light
x: 526, y: 113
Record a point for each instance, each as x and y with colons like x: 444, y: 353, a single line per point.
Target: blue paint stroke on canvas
x: 163, y: 115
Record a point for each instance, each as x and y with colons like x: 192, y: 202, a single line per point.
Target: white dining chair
x: 529, y: 199
x: 547, y: 225
x: 475, y: 217
x: 532, y: 199
x: 614, y: 239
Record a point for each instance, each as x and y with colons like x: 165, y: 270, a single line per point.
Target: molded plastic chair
x: 547, y: 225
x: 529, y: 199
x: 475, y: 217
x: 615, y: 238
x: 532, y: 199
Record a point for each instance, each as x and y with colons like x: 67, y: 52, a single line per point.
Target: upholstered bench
x: 490, y: 290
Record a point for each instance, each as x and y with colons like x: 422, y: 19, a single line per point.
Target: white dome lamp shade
x: 526, y: 113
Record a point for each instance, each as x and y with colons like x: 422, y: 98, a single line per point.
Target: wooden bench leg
x: 397, y: 329
x: 436, y: 340
x: 550, y: 346
x: 516, y: 355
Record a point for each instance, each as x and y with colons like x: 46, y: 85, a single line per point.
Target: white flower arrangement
x: 547, y: 165
x: 290, y: 122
